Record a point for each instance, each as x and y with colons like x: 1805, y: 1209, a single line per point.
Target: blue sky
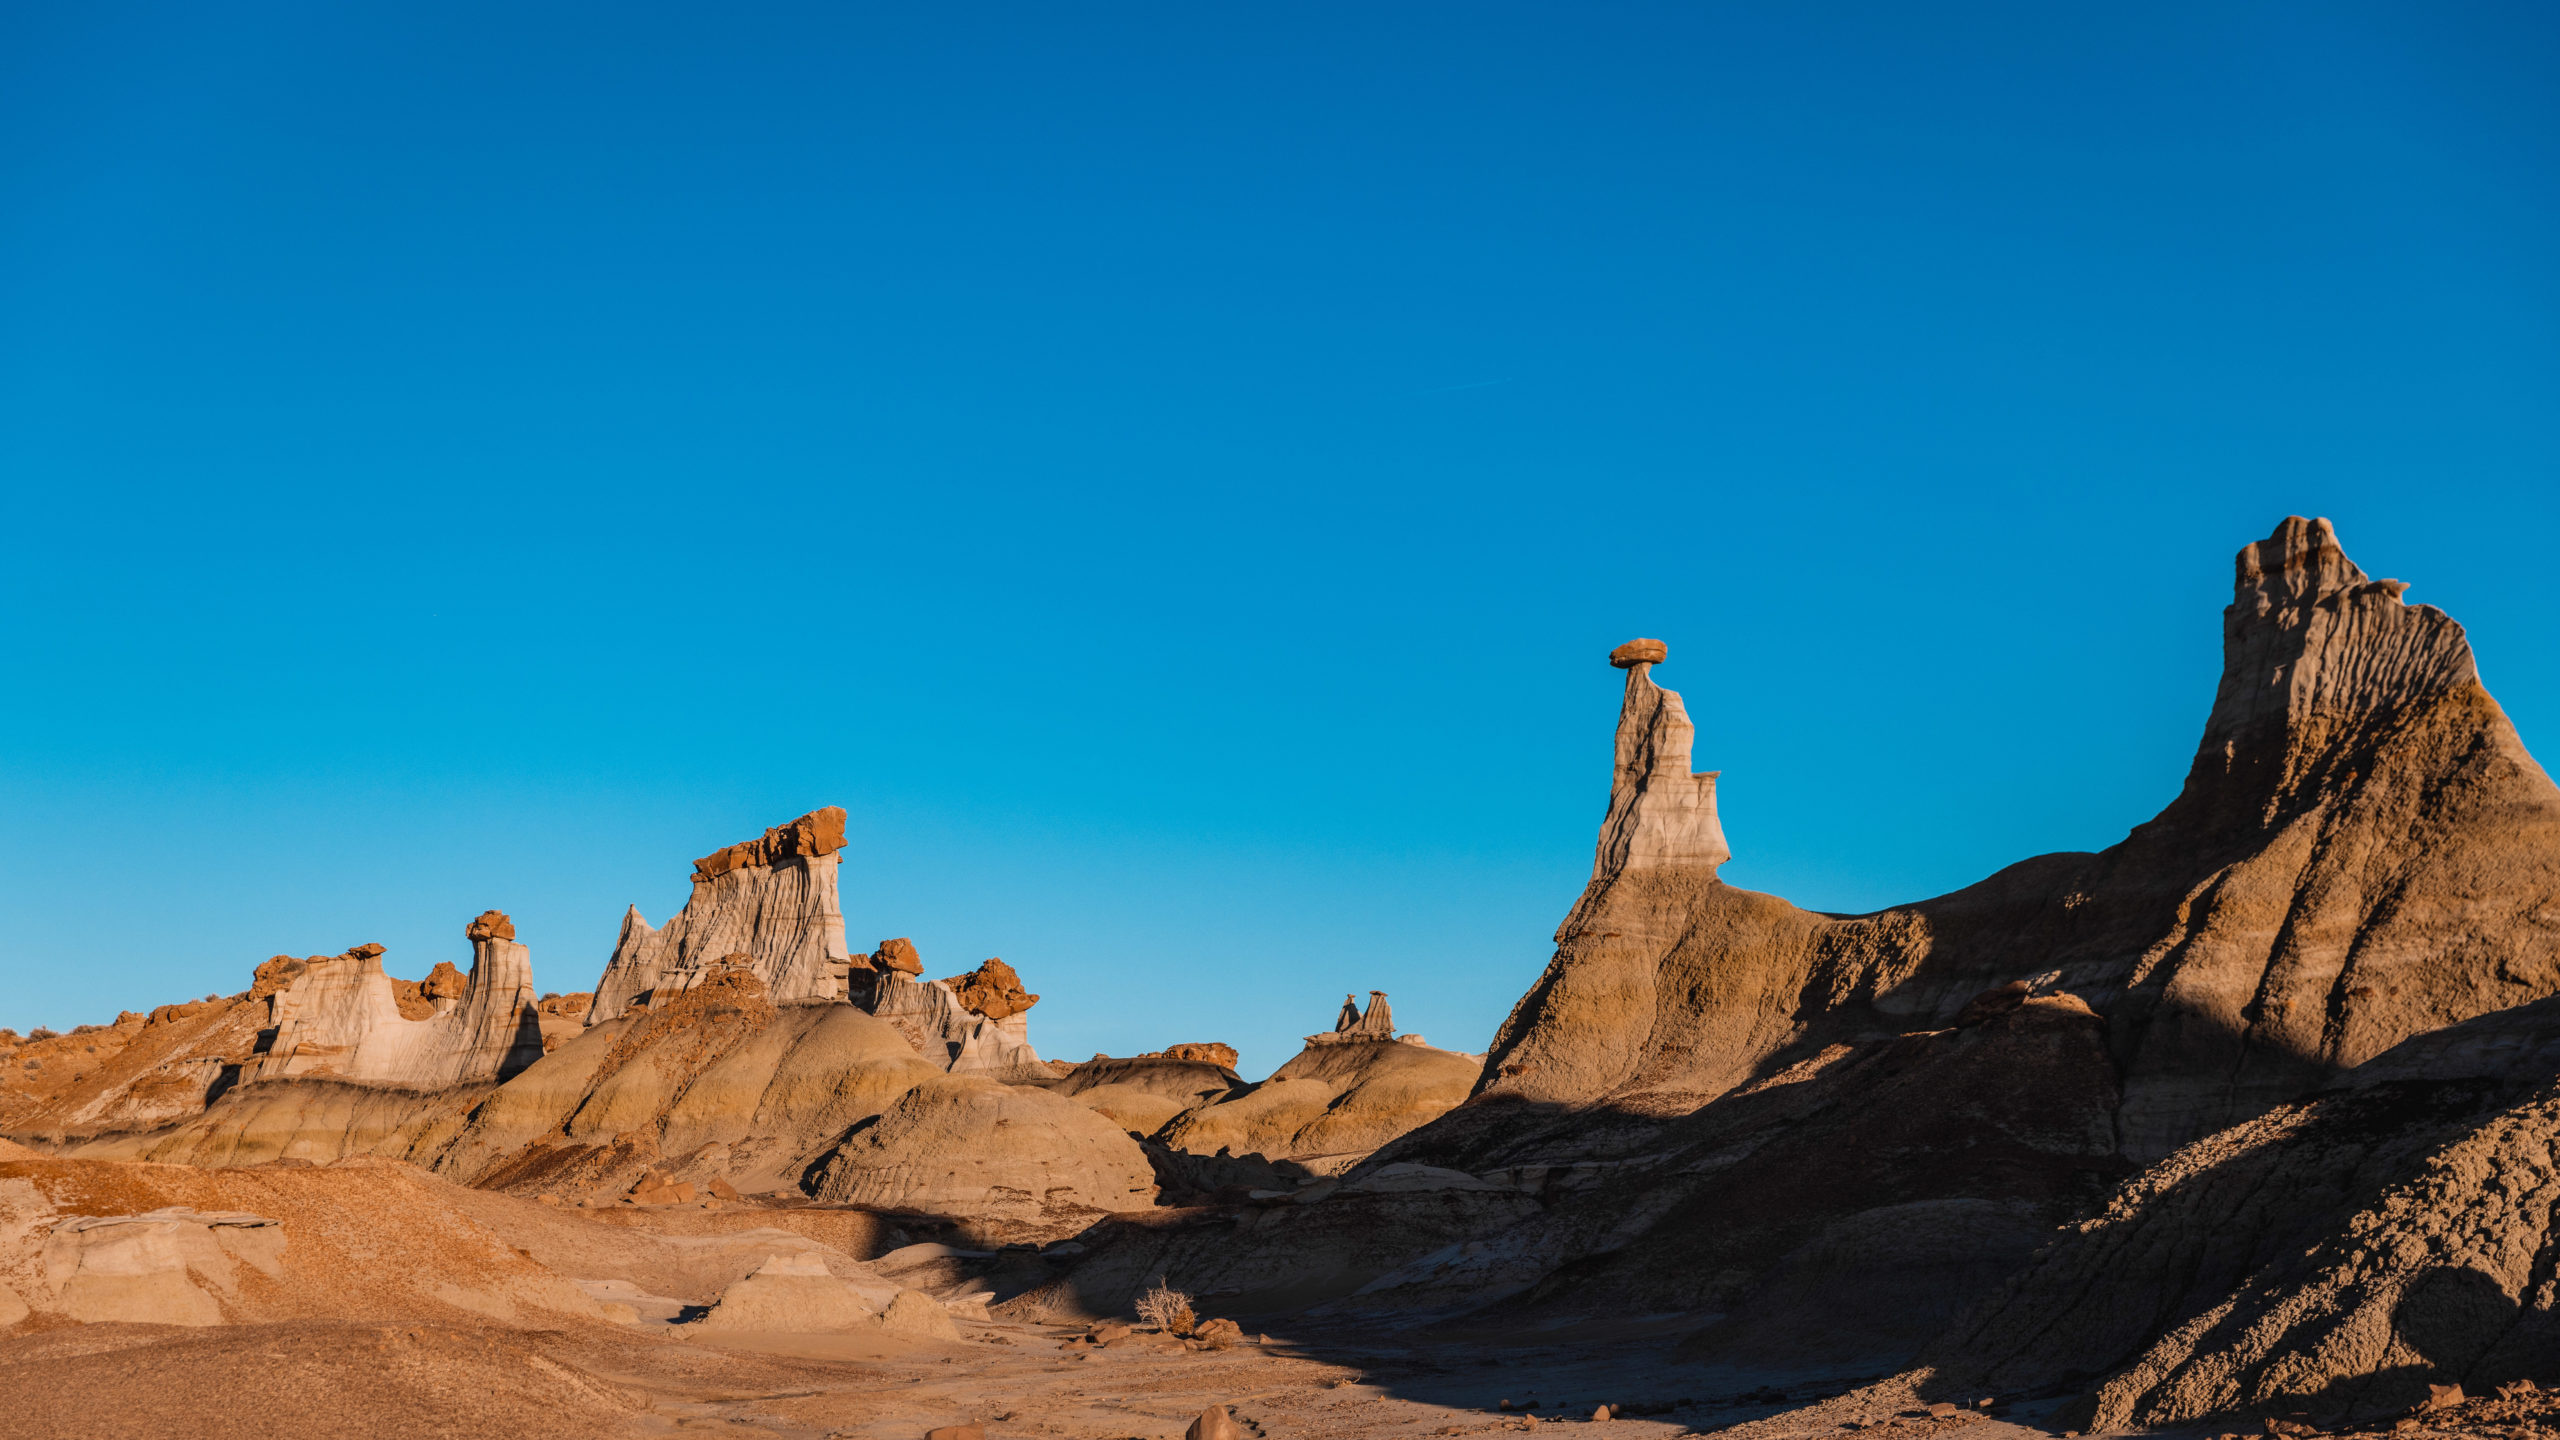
x: 1174, y: 472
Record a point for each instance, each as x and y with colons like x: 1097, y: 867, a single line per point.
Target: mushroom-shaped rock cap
x: 492, y: 925
x: 1639, y: 652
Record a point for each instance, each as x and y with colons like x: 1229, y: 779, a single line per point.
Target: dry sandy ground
x: 311, y: 1380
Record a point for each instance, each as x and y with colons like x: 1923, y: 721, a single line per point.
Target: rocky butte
x: 2247, y: 1121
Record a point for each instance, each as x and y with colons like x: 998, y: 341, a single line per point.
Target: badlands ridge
x: 2248, y: 1120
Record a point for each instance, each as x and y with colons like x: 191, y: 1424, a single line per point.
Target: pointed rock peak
x: 2298, y: 565
x: 2308, y: 634
x: 1639, y: 652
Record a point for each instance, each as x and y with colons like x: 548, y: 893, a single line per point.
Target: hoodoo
x: 771, y: 899
x: 339, y: 1018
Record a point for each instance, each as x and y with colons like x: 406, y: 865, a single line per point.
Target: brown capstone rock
x: 820, y: 832
x: 899, y: 955
x: 1207, y: 1052
x: 993, y: 990
x: 1639, y: 652
x: 492, y: 924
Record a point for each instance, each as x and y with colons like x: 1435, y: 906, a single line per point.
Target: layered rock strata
x: 340, y: 1018
x: 771, y: 899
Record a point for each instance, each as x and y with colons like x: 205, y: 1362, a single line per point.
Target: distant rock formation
x: 1378, y: 1022
x: 1353, y: 1089
x: 339, y: 1017
x: 973, y: 1024
x: 772, y: 899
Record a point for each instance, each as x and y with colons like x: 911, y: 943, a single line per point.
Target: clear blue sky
x: 1173, y: 472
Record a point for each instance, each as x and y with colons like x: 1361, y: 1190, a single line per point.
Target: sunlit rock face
x: 771, y: 899
x: 341, y: 1018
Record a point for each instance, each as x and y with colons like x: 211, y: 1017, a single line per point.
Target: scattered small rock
x: 1214, y: 1424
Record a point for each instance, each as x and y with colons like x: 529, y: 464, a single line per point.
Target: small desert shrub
x: 43, y: 1033
x: 1163, y: 1306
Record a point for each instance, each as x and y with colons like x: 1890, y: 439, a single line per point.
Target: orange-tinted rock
x: 492, y: 924
x: 1208, y: 1052
x: 274, y: 975
x: 993, y: 990
x: 899, y: 955
x: 820, y: 832
x: 1639, y: 652
x: 445, y: 982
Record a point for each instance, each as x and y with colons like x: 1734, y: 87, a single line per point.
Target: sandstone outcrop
x: 772, y: 899
x: 961, y: 1146
x: 1332, y: 1104
x: 1140, y: 1093
x: 340, y: 1018
x: 1350, y: 1091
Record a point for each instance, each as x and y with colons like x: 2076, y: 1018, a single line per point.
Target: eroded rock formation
x: 1353, y: 1089
x: 973, y: 1024
x: 772, y: 899
x: 1837, y: 1131
x: 2363, y: 851
x: 340, y: 1017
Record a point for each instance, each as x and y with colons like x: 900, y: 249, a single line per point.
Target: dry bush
x: 1167, y: 1308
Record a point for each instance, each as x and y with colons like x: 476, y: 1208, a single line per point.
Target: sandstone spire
x: 1659, y: 813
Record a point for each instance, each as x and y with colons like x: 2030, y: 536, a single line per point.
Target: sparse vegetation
x: 1166, y: 1308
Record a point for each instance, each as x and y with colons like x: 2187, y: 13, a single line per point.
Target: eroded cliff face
x: 772, y: 899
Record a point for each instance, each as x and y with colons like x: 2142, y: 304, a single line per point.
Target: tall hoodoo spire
x: 1659, y: 813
